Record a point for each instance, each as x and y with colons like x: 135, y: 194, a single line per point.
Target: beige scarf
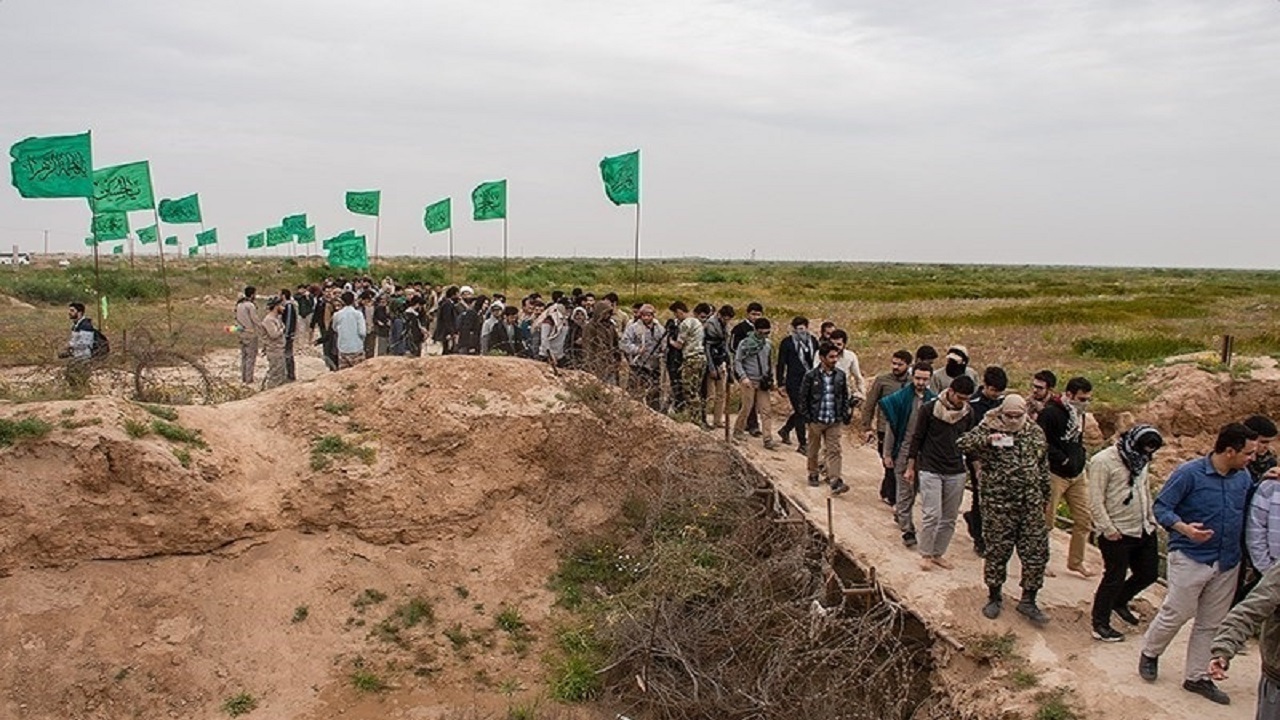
x: 1009, y: 417
x: 947, y: 414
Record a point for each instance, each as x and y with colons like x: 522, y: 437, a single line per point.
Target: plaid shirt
x: 826, y: 414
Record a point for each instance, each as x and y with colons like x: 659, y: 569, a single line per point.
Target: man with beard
x: 882, y: 387
x: 248, y: 327
x: 935, y: 466
x: 1062, y: 420
x: 1015, y: 485
x: 691, y: 342
x: 824, y: 403
x: 446, y: 332
x: 1042, y: 386
x: 902, y: 413
x: 755, y: 311
x: 796, y: 355
x: 957, y: 365
x: 641, y: 344
x: 994, y: 382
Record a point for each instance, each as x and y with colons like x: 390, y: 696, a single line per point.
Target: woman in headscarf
x: 1120, y: 497
x: 1014, y: 461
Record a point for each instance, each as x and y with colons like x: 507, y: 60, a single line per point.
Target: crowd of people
x: 939, y: 427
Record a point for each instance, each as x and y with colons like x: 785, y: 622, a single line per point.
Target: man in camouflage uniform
x: 1013, y: 456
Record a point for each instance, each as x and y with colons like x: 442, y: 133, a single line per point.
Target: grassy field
x: 1101, y: 322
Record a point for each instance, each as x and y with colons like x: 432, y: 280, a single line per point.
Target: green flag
x: 621, y: 175
x: 344, y: 234
x: 117, y: 250
x: 52, y: 167
x: 257, y: 240
x: 277, y: 236
x: 308, y: 235
x: 89, y: 242
x: 181, y: 211
x: 171, y: 241
x: 439, y: 216
x: 109, y: 226
x: 489, y: 201
x: 349, y: 252
x: 364, y: 202
x: 122, y: 188
x: 208, y: 237
x: 148, y: 235
x: 295, y: 224
x: 191, y: 251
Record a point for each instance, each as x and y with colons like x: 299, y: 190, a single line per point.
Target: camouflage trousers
x: 691, y: 371
x: 1006, y: 527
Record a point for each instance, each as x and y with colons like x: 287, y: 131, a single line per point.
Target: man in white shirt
x: 349, y: 326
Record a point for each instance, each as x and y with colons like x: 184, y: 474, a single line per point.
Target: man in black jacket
x: 824, y: 404
x: 936, y: 467
x: 446, y: 330
x: 796, y: 354
x: 1062, y: 420
x: 505, y: 337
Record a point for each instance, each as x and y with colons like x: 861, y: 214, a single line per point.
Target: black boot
x: 995, y: 600
x: 1028, y: 607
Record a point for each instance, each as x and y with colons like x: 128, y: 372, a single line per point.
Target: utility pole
x: 46, y: 243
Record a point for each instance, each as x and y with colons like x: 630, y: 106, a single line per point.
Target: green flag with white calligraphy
x: 53, y: 167
x: 308, y: 235
x: 109, y: 226
x: 278, y: 235
x: 349, y: 252
x: 621, y: 175
x: 171, y: 241
x: 208, y: 237
x: 257, y: 240
x: 295, y: 224
x: 149, y: 235
x: 438, y: 216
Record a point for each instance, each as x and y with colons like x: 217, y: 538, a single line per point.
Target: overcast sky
x: 1074, y: 132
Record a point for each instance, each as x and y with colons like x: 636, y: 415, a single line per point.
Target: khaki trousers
x: 1076, y: 492
x: 826, y: 438
x: 1196, y: 592
x: 753, y: 398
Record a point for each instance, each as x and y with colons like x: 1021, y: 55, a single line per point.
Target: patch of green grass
x: 1023, y: 679
x: 184, y: 456
x: 161, y: 411
x: 337, y: 408
x: 176, y: 433
x: 367, y: 682
x: 461, y: 591
x: 598, y: 563
x: 366, y: 598
x: 238, y: 705
x: 329, y: 446
x: 1054, y: 706
x: 417, y: 610
x: 897, y: 325
x: 478, y: 400
x: 509, y: 620
x: 457, y: 636
x: 27, y: 428
x: 991, y: 646
x: 300, y: 614
x: 68, y: 424
x: 574, y: 679
x: 135, y: 429
x: 1136, y: 348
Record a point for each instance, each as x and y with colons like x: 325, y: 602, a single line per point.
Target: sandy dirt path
x: 1103, y: 675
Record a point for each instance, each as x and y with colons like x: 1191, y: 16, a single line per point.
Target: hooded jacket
x: 1066, y: 443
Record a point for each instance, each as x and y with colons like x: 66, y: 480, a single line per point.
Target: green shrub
x: 573, y: 679
x: 136, y: 429
x: 1138, y: 348
x: 176, y: 433
x: 238, y: 705
x: 28, y: 427
x: 161, y: 411
x: 897, y: 325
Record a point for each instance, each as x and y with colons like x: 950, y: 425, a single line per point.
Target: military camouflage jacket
x: 1017, y: 475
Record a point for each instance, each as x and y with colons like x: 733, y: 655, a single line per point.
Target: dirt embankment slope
x: 146, y: 572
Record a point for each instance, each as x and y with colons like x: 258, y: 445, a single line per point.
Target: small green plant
x: 461, y: 591
x: 509, y: 620
x: 366, y: 681
x: 124, y: 673
x: 478, y: 400
x: 160, y: 411
x: 897, y: 325
x: 67, y: 412
x: 329, y: 446
x: 184, y: 456
x: 990, y: 646
x: 417, y: 610
x: 23, y: 428
x: 457, y: 636
x: 176, y: 433
x: 1023, y: 679
x: 238, y: 705
x: 510, y: 687
x: 574, y: 680
x: 337, y: 408
x: 1054, y: 706
x: 135, y: 429
x: 300, y: 614
x: 366, y: 598
x: 522, y: 712
x: 68, y: 424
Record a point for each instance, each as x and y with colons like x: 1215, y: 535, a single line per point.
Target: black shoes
x: 1028, y: 608
x: 1206, y: 689
x: 909, y: 539
x: 813, y: 480
x: 1124, y: 613
x: 786, y: 437
x: 803, y: 448
x: 1148, y: 667
x: 1106, y: 633
x: 995, y: 601
x: 838, y: 487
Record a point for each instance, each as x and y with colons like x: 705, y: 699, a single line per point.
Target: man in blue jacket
x: 901, y: 412
x: 1202, y: 507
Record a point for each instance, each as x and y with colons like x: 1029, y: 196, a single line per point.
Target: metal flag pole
x: 97, y: 280
x: 504, y: 253
x: 451, y: 251
x: 377, y: 232
x: 164, y: 273
x: 635, y: 273
x: 130, y: 239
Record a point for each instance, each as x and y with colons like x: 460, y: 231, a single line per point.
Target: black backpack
x: 101, y: 345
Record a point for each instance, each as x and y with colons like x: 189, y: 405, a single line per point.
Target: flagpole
x: 164, y: 274
x: 97, y: 282
x: 450, y: 251
x: 504, y: 251
x: 635, y: 274
x: 208, y: 281
x: 377, y: 232
x: 130, y: 238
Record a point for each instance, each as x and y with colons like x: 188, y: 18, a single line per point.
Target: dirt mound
x: 13, y: 302
x: 449, y: 483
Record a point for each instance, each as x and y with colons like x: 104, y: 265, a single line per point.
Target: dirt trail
x: 1103, y: 675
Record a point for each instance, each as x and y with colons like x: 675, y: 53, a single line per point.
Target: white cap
x: 466, y: 290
